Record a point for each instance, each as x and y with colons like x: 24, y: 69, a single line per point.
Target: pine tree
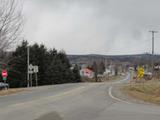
x: 18, y: 67
x: 101, y: 68
x: 95, y: 69
x: 39, y: 56
x: 76, y: 74
x: 54, y: 67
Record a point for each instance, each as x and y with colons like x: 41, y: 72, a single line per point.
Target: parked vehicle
x: 148, y: 76
x: 4, y: 85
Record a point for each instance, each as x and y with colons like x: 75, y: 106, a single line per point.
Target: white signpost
x: 33, y: 69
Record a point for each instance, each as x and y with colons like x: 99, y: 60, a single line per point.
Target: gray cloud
x: 93, y: 26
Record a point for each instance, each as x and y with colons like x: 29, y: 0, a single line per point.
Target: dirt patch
x: 11, y: 91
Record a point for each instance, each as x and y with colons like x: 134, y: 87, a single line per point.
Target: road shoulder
x: 12, y: 91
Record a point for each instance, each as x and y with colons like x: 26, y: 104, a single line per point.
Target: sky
x: 110, y: 27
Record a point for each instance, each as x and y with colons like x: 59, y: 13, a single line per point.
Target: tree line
x: 54, y: 66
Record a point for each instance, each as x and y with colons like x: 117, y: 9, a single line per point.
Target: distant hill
x: 131, y: 59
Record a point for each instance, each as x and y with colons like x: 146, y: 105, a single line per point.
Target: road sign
x: 35, y: 69
x: 4, y: 78
x: 32, y: 69
x: 140, y: 72
x: 4, y: 73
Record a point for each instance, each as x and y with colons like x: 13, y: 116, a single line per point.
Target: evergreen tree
x: 54, y: 67
x: 65, y: 67
x: 54, y: 72
x: 39, y: 56
x: 101, y: 68
x: 95, y: 69
x: 76, y: 74
x: 17, y: 72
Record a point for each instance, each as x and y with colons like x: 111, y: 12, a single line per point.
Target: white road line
x: 115, y: 98
x: 110, y: 90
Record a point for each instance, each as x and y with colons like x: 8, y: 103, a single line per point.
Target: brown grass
x: 149, y: 92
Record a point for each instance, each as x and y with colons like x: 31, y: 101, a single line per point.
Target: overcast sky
x: 93, y: 26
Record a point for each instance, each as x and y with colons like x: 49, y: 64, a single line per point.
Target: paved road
x: 83, y: 101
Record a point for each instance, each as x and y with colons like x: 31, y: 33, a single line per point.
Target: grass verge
x: 148, y: 92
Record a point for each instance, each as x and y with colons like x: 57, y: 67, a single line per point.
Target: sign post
x: 36, y: 71
x: 4, y: 75
x: 33, y: 70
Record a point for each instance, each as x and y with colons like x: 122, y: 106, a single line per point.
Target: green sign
x: 4, y: 78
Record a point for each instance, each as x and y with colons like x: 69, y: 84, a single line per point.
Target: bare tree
x: 10, y: 23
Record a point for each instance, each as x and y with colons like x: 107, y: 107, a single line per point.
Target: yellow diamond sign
x: 140, y: 72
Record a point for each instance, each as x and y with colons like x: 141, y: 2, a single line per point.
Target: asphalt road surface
x: 83, y: 101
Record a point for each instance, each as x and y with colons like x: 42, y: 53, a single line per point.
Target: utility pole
x: 31, y: 80
x: 153, y: 34
x: 28, y: 66
x: 36, y: 79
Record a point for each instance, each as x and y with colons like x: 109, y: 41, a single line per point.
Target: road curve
x: 82, y: 101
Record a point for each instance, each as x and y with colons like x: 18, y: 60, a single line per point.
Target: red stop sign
x: 4, y: 73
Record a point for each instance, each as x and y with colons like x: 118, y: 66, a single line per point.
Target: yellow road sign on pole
x: 140, y: 72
